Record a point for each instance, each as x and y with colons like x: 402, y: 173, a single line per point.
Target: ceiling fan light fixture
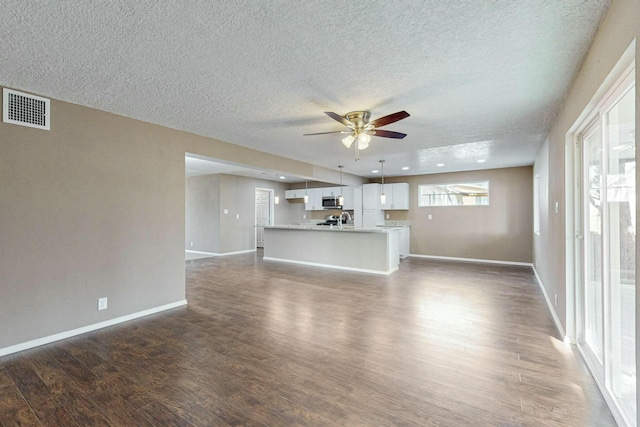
x: 363, y: 141
x: 361, y: 129
x: 348, y: 140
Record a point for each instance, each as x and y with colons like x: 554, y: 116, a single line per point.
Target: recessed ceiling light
x: 440, y: 165
x: 481, y: 161
x: 375, y: 171
x: 283, y: 177
x: 405, y: 168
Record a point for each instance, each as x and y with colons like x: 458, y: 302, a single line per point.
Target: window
x: 460, y: 194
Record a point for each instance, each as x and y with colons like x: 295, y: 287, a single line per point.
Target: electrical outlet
x: 226, y: 211
x: 304, y: 217
x: 191, y: 244
x: 430, y: 216
x: 102, y: 303
x: 387, y: 216
x: 237, y: 216
x: 556, y: 207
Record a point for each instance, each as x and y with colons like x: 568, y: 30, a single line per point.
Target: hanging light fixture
x: 341, y: 197
x: 383, y: 198
x: 276, y: 199
x: 306, y: 194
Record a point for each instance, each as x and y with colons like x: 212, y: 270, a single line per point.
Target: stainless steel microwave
x: 330, y: 202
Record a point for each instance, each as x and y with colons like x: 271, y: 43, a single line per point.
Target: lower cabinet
x: 405, y: 241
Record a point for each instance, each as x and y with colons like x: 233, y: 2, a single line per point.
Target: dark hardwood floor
x: 435, y: 344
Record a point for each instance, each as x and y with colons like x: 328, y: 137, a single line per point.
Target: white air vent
x: 25, y: 109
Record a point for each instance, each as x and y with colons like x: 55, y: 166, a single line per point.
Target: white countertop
x: 344, y: 228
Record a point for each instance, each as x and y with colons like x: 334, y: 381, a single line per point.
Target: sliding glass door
x: 606, y: 324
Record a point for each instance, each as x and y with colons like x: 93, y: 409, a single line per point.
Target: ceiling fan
x: 361, y: 129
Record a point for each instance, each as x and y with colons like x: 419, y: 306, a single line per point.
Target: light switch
x: 430, y: 216
x: 226, y: 211
x: 556, y: 207
x: 237, y: 216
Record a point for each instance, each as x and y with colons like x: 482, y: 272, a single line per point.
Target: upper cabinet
x: 315, y: 199
x: 294, y: 194
x: 348, y: 195
x: 397, y: 196
x: 371, y: 196
x: 316, y: 194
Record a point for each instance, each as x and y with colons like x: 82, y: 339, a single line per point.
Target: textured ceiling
x: 481, y: 79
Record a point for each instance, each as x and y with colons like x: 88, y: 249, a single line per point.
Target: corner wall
x: 211, y: 230
x: 95, y: 208
x: 499, y: 232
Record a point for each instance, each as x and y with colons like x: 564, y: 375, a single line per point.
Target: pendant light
x: 383, y: 198
x: 276, y: 199
x: 306, y: 194
x: 341, y: 197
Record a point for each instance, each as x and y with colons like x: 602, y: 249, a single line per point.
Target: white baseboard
x: 236, y: 252
x: 212, y: 254
x: 551, y: 307
x: 484, y: 261
x: 201, y: 253
x: 68, y: 334
x: 337, y: 267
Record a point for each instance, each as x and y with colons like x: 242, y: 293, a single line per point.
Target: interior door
x: 263, y: 215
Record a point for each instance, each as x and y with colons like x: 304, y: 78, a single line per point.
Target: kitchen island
x: 374, y: 250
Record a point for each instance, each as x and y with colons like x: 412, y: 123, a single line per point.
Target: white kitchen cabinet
x: 387, y: 189
x: 316, y: 194
x: 330, y: 191
x: 315, y: 200
x: 348, y: 194
x: 371, y: 196
x: 405, y: 241
x: 372, y: 218
x: 397, y: 196
x: 294, y: 194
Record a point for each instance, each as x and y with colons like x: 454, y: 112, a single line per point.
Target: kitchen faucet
x: 342, y: 214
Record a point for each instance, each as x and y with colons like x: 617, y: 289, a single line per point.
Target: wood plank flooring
x: 435, y: 344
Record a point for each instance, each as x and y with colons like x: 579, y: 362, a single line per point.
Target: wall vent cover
x: 25, y: 109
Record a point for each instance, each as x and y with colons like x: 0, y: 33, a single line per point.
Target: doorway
x: 264, y: 213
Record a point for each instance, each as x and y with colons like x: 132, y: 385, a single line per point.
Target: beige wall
x: 211, y: 230
x: 202, y: 212
x: 552, y: 262
x: 617, y: 31
x: 93, y: 208
x: 499, y: 232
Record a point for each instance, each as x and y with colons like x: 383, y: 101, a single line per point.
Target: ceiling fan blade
x: 338, y: 118
x: 324, y: 133
x: 389, y: 134
x: 383, y: 121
